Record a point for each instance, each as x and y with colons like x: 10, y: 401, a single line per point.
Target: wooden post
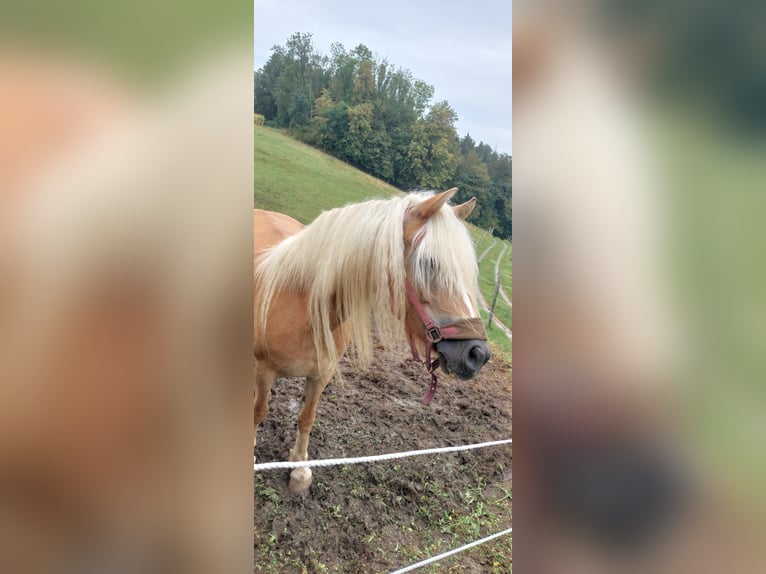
x: 494, y: 298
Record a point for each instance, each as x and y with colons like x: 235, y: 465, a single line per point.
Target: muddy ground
x: 382, y: 516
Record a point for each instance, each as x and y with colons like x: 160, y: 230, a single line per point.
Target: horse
x: 401, y: 268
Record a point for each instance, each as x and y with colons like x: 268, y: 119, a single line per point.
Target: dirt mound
x: 382, y: 516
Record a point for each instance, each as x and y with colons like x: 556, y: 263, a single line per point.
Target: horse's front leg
x: 300, y: 478
x: 264, y: 377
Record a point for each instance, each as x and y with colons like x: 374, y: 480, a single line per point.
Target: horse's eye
x: 430, y: 265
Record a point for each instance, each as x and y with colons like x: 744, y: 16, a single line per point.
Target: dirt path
x: 495, y: 320
x: 505, y: 297
x: 499, y: 258
x: 483, y: 302
x: 487, y: 250
x: 497, y: 274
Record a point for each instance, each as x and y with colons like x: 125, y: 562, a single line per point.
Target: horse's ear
x: 427, y: 208
x: 464, y: 209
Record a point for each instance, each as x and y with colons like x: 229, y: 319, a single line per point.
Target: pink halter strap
x: 433, y: 336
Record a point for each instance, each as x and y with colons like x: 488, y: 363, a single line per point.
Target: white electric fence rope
x: 393, y: 456
x: 374, y: 458
x: 451, y: 552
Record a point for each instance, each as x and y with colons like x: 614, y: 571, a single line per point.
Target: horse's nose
x: 477, y: 355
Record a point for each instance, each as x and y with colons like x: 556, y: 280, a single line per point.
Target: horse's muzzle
x: 463, y: 358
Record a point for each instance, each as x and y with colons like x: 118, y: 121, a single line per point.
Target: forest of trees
x: 377, y: 117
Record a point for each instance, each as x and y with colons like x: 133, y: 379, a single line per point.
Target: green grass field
x: 487, y: 284
x: 301, y: 181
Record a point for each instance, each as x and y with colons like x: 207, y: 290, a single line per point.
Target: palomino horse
x: 403, y: 267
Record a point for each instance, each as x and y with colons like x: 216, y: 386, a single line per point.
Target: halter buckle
x: 434, y: 334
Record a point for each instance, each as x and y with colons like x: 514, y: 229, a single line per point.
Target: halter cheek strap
x: 433, y: 336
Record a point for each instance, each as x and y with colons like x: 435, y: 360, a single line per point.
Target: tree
x: 467, y: 144
x: 433, y: 151
x: 364, y: 83
x: 342, y: 67
x: 265, y: 84
x: 335, y: 129
x: 472, y: 180
x: 316, y: 132
x: 501, y: 172
x: 301, y: 75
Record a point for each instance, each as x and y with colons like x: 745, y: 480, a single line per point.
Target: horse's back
x: 270, y: 227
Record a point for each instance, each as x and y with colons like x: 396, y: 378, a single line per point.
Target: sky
x: 461, y: 48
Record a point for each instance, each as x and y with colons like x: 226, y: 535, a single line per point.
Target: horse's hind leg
x: 264, y: 377
x: 300, y: 478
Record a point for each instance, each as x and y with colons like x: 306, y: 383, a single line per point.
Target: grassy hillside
x: 293, y: 178
x: 495, y: 248
x: 301, y: 181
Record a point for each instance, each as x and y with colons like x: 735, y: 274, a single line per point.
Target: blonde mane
x: 351, y: 263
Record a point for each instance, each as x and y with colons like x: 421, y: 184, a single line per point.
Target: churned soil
x: 382, y: 516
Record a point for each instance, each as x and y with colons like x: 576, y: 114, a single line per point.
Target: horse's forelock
x: 442, y: 262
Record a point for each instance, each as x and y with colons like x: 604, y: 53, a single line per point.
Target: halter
x: 460, y: 329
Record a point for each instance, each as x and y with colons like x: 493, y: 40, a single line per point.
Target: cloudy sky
x: 461, y: 48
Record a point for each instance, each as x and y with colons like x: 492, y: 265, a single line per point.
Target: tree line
x: 379, y: 118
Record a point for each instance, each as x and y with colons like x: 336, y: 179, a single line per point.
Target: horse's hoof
x: 300, y: 480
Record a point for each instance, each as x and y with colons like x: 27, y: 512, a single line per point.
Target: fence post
x: 494, y: 298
